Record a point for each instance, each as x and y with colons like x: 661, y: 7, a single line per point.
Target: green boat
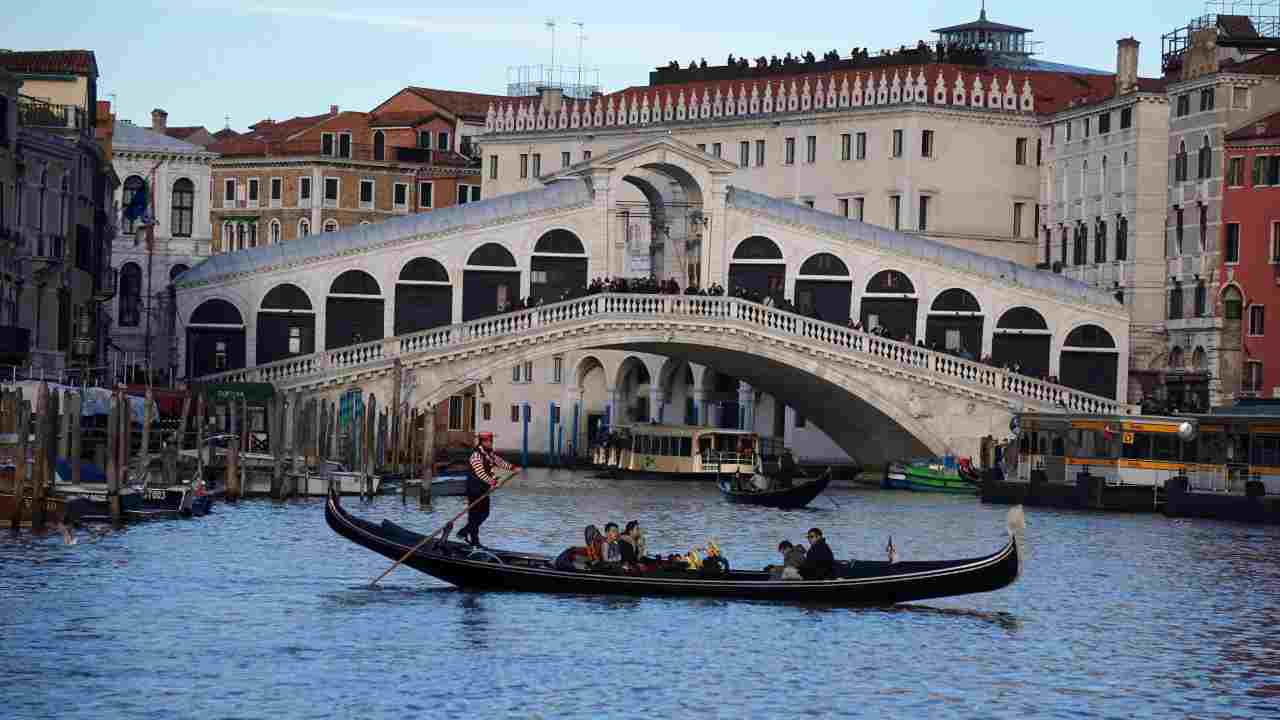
x: 928, y: 476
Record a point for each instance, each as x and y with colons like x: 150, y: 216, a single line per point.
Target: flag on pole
x: 137, y: 207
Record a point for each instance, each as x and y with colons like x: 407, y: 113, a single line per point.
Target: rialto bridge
x: 421, y: 294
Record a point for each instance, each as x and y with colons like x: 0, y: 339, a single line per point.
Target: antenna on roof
x: 551, y: 25
x: 227, y: 120
x: 581, y: 37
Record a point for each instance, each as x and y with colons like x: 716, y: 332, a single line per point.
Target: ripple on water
x: 260, y: 610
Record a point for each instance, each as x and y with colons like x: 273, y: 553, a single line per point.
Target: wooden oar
x: 414, y: 549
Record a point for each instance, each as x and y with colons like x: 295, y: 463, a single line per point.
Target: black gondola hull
x: 796, y: 496
x: 872, y: 583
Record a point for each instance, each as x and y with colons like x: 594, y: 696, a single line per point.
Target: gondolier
x: 480, y: 479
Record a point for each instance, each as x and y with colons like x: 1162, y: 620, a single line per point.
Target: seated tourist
x: 631, y: 544
x: 792, y: 559
x: 582, y: 557
x: 610, y: 554
x: 819, y: 561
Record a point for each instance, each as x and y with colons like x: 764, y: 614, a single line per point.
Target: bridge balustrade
x: 670, y: 307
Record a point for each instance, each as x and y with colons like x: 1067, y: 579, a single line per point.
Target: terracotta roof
x: 1053, y: 91
x: 74, y: 62
x: 1267, y: 127
x: 1266, y: 64
x: 183, y: 132
x: 407, y: 118
x: 226, y: 134
x: 462, y: 104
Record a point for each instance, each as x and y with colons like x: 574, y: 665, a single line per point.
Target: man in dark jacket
x: 819, y: 561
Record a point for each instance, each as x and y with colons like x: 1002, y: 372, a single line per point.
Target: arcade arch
x: 758, y: 267
x: 286, y: 324
x: 490, y: 281
x: 558, y: 266
x: 353, y: 310
x: 424, y: 296
x: 215, y: 338
x: 1090, y: 361
x: 1022, y: 338
x: 955, y: 323
x: 824, y: 288
x: 890, y: 302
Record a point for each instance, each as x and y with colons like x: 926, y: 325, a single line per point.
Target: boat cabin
x: 683, y: 450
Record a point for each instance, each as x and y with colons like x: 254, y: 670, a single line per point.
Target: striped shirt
x: 483, y: 470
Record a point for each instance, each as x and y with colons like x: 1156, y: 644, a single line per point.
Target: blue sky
x: 214, y: 58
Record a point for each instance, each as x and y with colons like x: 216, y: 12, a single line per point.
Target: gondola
x: 794, y: 496
x: 873, y: 583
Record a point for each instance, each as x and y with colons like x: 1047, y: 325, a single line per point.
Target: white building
x: 177, y: 174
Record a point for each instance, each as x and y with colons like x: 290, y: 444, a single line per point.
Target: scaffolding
x: 1240, y: 23
x: 575, y: 81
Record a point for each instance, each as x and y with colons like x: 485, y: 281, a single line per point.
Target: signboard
x: 227, y: 392
x: 1126, y: 438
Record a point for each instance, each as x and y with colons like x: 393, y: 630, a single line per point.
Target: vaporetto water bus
x: 682, y: 451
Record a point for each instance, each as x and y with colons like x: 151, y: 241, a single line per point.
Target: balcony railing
x: 33, y: 112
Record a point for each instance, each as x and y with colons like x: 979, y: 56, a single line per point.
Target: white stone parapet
x: 677, y: 314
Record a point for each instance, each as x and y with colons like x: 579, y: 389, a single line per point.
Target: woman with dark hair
x: 631, y: 544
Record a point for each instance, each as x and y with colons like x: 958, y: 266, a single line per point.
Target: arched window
x: 273, y: 236
x: 132, y: 185
x: 1232, y: 303
x: 1180, y: 162
x: 1204, y: 159
x: 757, y: 247
x: 1084, y: 178
x: 130, y: 295
x: 1100, y: 241
x: 176, y: 271
x: 304, y: 228
x: 1122, y: 237
x: 331, y: 225
x: 184, y: 207
x: 824, y: 264
x: 1102, y: 182
x: 559, y: 241
x: 424, y: 270
x: 1198, y: 359
x: 956, y: 300
x: 890, y: 281
x: 1176, y: 358
x: 491, y: 255
x: 379, y: 145
x: 1089, y: 336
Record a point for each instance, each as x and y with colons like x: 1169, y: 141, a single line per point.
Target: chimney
x: 333, y: 109
x: 159, y: 119
x: 1126, y: 65
x: 552, y: 98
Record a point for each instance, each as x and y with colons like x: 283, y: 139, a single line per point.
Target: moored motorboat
x: 928, y: 476
x: 854, y: 582
x: 767, y: 492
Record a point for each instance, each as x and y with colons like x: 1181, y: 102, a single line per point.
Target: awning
x: 257, y: 393
x: 94, y: 400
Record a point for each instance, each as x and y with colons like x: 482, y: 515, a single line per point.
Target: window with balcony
x: 811, y: 149
x: 304, y: 228
x: 1126, y: 118
x: 1017, y: 219
x: 252, y: 194
x: 760, y: 153
x: 1256, y: 316
x: 400, y: 196
x: 1100, y: 241
x: 1231, y: 250
x: 557, y: 369
x: 1068, y: 125
x: 1180, y: 162
x: 1175, y: 301
x: 442, y: 141
x: 1177, y: 231
x: 922, y: 224
x: 1204, y: 160
x: 493, y: 167
x: 1020, y: 151
x: 926, y: 143
x: 183, y: 208
x: 1104, y: 123
x: 1085, y: 123
x: 344, y: 145
x: 1039, y: 154
x: 717, y: 149
x: 326, y: 144
x: 846, y: 146
x: 1252, y: 381
x: 1183, y: 105
x: 1081, y: 254
x: 366, y: 194
x: 304, y: 192
x: 524, y: 165
x: 277, y: 191
x: 228, y: 193
x: 565, y: 160
x: 424, y: 139
x: 896, y: 150
x: 515, y: 413
x: 790, y: 148
x: 424, y: 195
x: 895, y: 211
x: 1204, y: 226
x: 379, y: 145
x: 860, y: 146
x: 1200, y: 298
x: 537, y: 164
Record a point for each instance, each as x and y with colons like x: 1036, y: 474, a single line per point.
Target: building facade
x: 148, y: 257
x: 62, y: 221
x: 1250, y: 274
x: 293, y: 178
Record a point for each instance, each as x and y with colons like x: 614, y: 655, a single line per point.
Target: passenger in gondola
x: 792, y: 560
x: 819, y: 561
x: 480, y: 480
x: 786, y: 469
x: 610, y: 553
x: 631, y: 545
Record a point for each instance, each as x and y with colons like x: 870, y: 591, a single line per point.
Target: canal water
x: 259, y: 610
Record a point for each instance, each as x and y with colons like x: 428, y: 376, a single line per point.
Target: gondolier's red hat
x: 484, y: 436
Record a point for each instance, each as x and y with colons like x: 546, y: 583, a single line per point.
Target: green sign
x: 258, y: 393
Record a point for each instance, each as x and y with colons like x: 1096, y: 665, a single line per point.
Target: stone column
x: 657, y: 398
x: 745, y: 397
x: 699, y: 406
